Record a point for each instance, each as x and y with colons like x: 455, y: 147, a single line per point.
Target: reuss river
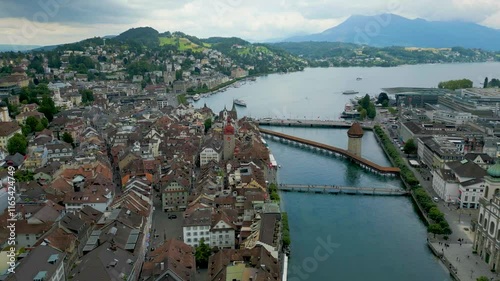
x: 369, y: 238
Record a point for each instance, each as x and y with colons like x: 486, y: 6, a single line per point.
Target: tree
x: 365, y: 101
x: 410, y: 147
x: 39, y: 127
x: 362, y: 114
x: 48, y: 107
x: 382, y: 97
x: 456, y: 84
x: 87, y: 96
x: 202, y: 254
x: 18, y: 143
x: 45, y: 122
x: 435, y: 229
x: 371, y: 112
x: 208, y: 124
x: 485, y: 84
x: 66, y: 137
x: 32, y: 122
x: 435, y: 214
x: 178, y: 75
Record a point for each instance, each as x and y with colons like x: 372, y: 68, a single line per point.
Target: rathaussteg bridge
x: 350, y: 190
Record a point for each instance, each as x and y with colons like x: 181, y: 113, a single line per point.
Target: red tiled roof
x: 355, y: 131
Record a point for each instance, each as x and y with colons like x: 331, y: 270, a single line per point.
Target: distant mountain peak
x: 388, y: 29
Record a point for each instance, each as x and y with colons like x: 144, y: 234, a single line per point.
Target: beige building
x: 7, y: 131
x: 175, y: 195
x: 4, y: 112
x: 487, y: 238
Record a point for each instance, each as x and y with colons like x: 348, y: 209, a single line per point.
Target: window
x: 473, y: 199
x: 480, y: 218
x: 189, y: 239
x: 492, y: 228
x: 189, y: 234
x: 466, y: 198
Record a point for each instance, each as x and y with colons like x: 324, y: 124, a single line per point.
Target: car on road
x: 172, y: 217
x: 436, y: 199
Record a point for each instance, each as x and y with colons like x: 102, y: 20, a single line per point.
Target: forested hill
x: 348, y: 54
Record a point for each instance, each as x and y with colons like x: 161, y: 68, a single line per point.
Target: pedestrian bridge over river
x: 320, y: 147
x: 311, y: 123
x: 350, y: 190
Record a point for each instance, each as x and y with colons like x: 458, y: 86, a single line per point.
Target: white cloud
x: 256, y: 20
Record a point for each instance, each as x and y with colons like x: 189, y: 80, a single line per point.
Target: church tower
x: 4, y: 112
x: 229, y: 142
x: 355, y: 134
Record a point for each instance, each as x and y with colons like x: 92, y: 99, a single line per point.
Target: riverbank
x: 433, y: 217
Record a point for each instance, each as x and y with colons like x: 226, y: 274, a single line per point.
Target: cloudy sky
x: 46, y: 22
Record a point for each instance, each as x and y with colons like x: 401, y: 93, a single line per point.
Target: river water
x: 370, y: 238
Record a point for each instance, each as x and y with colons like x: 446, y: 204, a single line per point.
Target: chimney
x: 162, y: 266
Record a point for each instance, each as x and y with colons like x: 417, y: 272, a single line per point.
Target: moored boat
x: 350, y: 92
x: 239, y: 102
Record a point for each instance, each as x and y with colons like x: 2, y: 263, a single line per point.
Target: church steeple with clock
x: 229, y: 141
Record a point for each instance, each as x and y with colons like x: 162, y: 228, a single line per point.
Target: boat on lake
x: 196, y: 97
x: 359, y: 79
x: 240, y: 102
x: 350, y: 92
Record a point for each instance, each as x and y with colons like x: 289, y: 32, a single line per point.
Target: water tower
x: 355, y: 134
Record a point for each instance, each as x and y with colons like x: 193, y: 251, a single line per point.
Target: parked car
x: 172, y: 217
x: 436, y: 199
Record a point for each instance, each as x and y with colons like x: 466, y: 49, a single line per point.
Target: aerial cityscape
x: 236, y: 141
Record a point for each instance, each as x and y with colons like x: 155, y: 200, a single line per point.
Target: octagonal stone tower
x: 355, y: 134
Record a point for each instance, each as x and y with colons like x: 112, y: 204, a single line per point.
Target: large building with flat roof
x: 417, y: 97
x: 478, y: 101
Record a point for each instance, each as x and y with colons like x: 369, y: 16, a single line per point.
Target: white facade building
x: 197, y: 226
x: 453, y: 117
x: 222, y: 235
x: 459, y: 182
x: 209, y: 154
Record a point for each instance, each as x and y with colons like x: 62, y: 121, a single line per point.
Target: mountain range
x: 17, y: 48
x: 387, y: 30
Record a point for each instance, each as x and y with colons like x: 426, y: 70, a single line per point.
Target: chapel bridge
x: 364, y: 163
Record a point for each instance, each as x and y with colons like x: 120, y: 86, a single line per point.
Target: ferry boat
x: 196, y: 97
x: 240, y: 102
x: 359, y: 79
x: 350, y: 92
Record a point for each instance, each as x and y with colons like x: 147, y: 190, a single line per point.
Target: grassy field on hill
x: 183, y: 44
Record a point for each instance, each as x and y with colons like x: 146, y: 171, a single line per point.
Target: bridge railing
x: 356, y: 158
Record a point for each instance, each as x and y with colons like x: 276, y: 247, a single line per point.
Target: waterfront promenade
x: 310, y: 123
x: 462, y: 264
x: 338, y: 151
x: 350, y: 190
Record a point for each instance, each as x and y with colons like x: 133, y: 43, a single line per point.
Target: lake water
x: 317, y: 92
x: 375, y: 238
